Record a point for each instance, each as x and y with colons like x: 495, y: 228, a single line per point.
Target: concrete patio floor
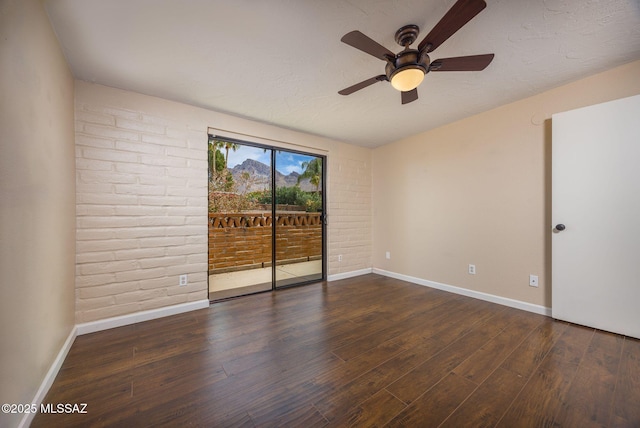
x: 231, y: 284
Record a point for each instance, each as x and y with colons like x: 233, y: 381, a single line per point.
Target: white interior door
x: 596, y: 195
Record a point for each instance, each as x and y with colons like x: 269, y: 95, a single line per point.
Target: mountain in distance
x: 261, y: 176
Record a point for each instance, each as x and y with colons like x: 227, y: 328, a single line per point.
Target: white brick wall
x: 142, y: 200
x: 350, y: 216
x: 141, y: 211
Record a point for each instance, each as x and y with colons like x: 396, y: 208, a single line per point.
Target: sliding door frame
x: 323, y: 216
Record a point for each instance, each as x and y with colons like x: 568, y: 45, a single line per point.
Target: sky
x: 286, y: 162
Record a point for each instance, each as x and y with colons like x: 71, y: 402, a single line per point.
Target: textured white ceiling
x: 282, y: 62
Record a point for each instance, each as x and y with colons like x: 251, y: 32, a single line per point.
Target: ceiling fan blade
x: 459, y: 14
x: 367, y: 45
x: 362, y: 85
x: 409, y: 96
x: 462, y: 63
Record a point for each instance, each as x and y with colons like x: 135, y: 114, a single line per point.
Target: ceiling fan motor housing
x: 408, y: 58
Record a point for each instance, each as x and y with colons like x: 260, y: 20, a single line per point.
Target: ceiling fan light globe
x: 407, y: 79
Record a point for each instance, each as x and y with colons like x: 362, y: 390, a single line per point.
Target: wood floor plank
x: 181, y: 374
x: 273, y: 393
x: 438, y: 319
x: 485, y: 361
x: 365, y: 351
x: 542, y: 397
x: 528, y: 356
x: 414, y: 318
x: 286, y: 404
x: 350, y: 370
x: 626, y: 410
x: 590, y: 398
x: 420, y: 379
x: 343, y: 398
x: 87, y: 365
x: 377, y: 411
x: 274, y: 356
x: 488, y: 403
x: 573, y: 344
x: 114, y: 391
x: 307, y: 417
x: 473, y: 314
x: 434, y: 406
x: 328, y: 382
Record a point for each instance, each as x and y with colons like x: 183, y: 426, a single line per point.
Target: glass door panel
x: 299, y: 218
x: 240, y: 219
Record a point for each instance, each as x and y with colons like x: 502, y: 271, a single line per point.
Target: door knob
x: 560, y: 227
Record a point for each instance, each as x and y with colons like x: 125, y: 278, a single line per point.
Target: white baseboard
x: 105, y: 324
x: 542, y: 310
x: 49, y: 377
x: 345, y: 275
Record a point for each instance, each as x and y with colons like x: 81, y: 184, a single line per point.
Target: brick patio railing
x: 243, y: 240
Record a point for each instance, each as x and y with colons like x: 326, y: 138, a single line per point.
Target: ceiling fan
x: 406, y: 69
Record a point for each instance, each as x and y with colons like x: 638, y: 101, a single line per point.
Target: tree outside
x: 313, y: 172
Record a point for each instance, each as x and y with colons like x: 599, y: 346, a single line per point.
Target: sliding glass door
x: 299, y: 210
x: 240, y: 229
x: 266, y: 218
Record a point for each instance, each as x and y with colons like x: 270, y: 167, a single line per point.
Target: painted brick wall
x: 350, y: 212
x: 142, y: 199
x: 141, y: 195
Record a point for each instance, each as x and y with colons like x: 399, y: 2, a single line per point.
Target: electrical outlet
x: 533, y: 280
x: 340, y: 258
x: 472, y: 269
x: 183, y: 280
x: 388, y: 255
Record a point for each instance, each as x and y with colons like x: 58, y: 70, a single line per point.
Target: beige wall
x: 37, y: 201
x: 477, y: 191
x: 142, y: 199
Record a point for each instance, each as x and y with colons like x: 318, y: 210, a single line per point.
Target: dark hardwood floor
x: 366, y: 351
